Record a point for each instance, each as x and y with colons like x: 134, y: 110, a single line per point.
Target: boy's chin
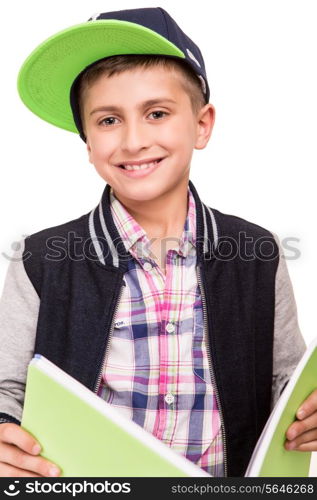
x: 139, y: 193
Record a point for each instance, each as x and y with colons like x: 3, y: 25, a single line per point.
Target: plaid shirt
x: 157, y: 371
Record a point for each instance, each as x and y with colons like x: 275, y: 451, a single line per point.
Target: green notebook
x: 87, y: 437
x: 270, y: 459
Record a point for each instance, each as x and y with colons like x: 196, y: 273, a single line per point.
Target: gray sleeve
x: 289, y: 344
x: 19, y: 306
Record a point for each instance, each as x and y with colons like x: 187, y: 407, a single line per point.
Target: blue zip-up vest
x: 78, y: 269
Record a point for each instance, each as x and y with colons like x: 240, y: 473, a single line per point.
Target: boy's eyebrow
x: 144, y: 104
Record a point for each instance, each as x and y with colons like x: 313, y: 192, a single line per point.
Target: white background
x: 261, y: 160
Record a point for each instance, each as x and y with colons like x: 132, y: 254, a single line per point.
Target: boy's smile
x: 141, y: 168
x: 134, y: 118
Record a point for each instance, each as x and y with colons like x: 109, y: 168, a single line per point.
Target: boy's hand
x: 302, y: 434
x: 17, y: 457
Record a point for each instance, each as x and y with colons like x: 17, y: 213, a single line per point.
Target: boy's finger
x: 308, y: 406
x: 14, y: 434
x: 300, y: 426
x: 13, y: 456
x: 310, y: 446
x: 10, y: 471
x: 305, y: 437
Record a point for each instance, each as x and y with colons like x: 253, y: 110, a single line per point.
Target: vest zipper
x: 212, y: 374
x: 108, y: 339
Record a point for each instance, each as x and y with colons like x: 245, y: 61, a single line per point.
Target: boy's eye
x: 110, y: 119
x: 158, y: 112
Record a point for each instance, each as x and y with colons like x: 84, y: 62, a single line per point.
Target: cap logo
x: 191, y: 55
x: 94, y: 17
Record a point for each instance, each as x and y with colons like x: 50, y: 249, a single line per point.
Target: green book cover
x: 270, y: 459
x: 87, y: 437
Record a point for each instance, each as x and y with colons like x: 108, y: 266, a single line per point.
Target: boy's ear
x: 205, y: 122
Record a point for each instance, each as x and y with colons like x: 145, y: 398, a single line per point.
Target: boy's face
x: 134, y: 130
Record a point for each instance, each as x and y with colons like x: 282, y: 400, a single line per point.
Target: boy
x: 178, y: 315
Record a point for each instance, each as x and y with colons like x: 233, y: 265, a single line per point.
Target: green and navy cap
x: 48, y: 77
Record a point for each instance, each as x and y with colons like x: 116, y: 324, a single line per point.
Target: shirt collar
x: 135, y: 238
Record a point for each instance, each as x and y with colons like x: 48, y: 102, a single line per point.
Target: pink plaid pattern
x: 157, y: 372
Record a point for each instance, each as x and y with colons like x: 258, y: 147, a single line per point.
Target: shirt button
x: 170, y: 328
x: 147, y: 266
x: 169, y: 398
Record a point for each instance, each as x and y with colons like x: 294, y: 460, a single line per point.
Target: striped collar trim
x: 110, y: 249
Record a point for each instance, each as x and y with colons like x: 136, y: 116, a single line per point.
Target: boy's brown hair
x: 119, y: 63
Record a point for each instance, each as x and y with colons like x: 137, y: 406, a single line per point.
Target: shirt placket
x: 167, y: 362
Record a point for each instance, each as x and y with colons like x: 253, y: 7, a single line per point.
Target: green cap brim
x: 46, y: 76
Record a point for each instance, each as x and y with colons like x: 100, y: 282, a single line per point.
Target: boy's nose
x: 135, y: 137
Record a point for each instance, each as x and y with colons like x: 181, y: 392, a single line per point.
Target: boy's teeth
x: 140, y: 167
